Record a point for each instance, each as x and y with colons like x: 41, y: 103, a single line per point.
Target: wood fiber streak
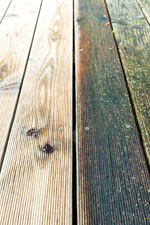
x: 16, y: 32
x: 113, y: 179
x: 132, y: 33
x: 36, y: 187
x: 4, y: 4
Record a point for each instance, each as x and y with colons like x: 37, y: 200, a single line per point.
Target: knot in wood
x: 47, y: 148
x: 33, y: 132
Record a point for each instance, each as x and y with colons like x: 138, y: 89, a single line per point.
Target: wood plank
x: 145, y: 7
x: 113, y: 179
x: 4, y: 4
x: 16, y: 32
x: 36, y: 187
x: 132, y: 33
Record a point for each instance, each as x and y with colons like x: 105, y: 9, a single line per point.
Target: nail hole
x: 60, y: 128
x: 23, y: 129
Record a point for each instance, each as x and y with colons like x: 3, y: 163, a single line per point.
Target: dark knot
x: 47, y: 148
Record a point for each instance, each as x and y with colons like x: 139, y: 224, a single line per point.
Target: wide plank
x: 132, y: 34
x: 16, y: 33
x: 35, y: 186
x: 4, y: 4
x: 113, y: 179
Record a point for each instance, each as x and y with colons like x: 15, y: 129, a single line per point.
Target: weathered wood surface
x: 4, y: 4
x: 145, y: 7
x: 132, y: 33
x: 113, y: 180
x: 36, y: 187
x: 16, y: 32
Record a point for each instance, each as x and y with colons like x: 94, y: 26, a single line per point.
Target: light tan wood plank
x: 132, y: 34
x: 4, y: 4
x: 35, y: 187
x: 16, y: 32
x: 145, y: 7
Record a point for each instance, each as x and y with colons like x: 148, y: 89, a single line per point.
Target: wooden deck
x: 74, y: 112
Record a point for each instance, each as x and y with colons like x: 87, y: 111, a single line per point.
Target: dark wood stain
x: 113, y: 177
x: 136, y: 36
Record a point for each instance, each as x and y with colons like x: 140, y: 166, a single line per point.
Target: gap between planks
x: 145, y: 8
x: 4, y: 5
x: 129, y: 92
x: 133, y: 39
x: 19, y: 92
x: 74, y: 175
x: 16, y: 35
x: 108, y: 145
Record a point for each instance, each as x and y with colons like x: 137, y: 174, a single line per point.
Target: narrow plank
x: 36, y: 187
x: 4, y: 4
x: 132, y: 33
x: 16, y: 32
x: 145, y: 7
x: 111, y: 190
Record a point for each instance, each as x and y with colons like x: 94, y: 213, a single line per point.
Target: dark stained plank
x: 113, y: 185
x: 132, y: 34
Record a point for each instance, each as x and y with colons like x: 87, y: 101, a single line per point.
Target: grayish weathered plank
x: 132, y: 33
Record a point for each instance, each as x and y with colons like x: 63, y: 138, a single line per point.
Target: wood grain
x: 145, y: 7
x: 16, y: 32
x: 133, y: 38
x: 36, y: 187
x: 4, y: 4
x: 113, y: 179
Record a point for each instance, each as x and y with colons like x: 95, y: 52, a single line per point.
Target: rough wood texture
x: 145, y: 7
x: 4, y: 4
x: 36, y: 187
x: 132, y: 33
x: 16, y: 32
x: 113, y: 180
